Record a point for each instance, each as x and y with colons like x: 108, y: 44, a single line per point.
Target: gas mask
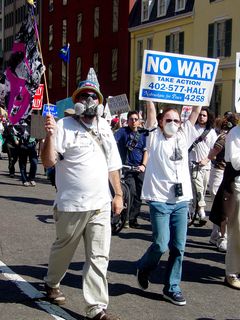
x: 86, y: 108
x: 171, y: 128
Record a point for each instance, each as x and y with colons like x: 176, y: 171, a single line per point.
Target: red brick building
x: 97, y: 32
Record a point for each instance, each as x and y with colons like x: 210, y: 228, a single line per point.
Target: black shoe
x: 175, y: 297
x: 103, y: 316
x: 142, y: 278
x: 134, y: 224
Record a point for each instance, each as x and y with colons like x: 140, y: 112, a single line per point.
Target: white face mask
x: 171, y: 128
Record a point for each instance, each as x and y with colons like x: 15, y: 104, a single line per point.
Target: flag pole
x: 41, y: 55
x: 68, y: 62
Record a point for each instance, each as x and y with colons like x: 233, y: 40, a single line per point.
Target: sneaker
x: 175, y: 297
x: 222, y: 244
x: 103, y: 316
x: 233, y: 281
x: 32, y: 183
x: 126, y: 225
x: 142, y: 278
x: 54, y: 295
x: 26, y: 184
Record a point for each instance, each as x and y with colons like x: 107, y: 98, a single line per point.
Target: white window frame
x: 114, y: 64
x: 78, y: 70
x: 162, y: 7
x: 139, y: 54
x: 145, y: 10
x: 219, y: 38
x: 79, y: 27
x: 180, y: 5
x: 115, y: 15
x: 96, y: 22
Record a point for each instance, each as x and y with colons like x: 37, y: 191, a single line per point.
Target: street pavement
x: 27, y: 231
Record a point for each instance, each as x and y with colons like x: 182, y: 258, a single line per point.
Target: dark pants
x: 24, y: 154
x: 12, y: 153
x: 134, y: 180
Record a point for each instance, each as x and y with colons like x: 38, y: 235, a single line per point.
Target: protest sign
x: 237, y: 83
x: 178, y: 79
x: 186, y: 111
x: 37, y: 126
x: 50, y: 109
x: 118, y: 104
x: 38, y: 98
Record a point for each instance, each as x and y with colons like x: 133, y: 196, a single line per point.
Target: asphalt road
x: 27, y: 231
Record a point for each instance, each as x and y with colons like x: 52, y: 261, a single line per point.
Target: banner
x: 24, y: 70
x: 178, y: 79
x: 38, y: 98
x: 237, y: 83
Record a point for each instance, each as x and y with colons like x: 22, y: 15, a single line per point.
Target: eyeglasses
x: 173, y: 120
x: 133, y: 119
x: 87, y: 95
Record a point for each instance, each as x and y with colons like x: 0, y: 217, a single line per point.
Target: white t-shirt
x: 162, y: 173
x: 202, y: 149
x: 232, y: 147
x: 82, y: 174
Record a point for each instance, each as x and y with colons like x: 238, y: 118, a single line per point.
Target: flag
x: 24, y: 70
x: 64, y: 53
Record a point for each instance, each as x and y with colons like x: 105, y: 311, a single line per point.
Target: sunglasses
x: 87, y: 95
x: 173, y: 120
x: 133, y: 119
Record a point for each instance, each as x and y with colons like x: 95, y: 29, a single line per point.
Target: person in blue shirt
x: 132, y: 148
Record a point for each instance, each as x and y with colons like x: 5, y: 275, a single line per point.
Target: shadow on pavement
x: 29, y: 200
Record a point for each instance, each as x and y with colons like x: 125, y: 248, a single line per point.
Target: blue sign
x: 50, y: 109
x: 179, y: 79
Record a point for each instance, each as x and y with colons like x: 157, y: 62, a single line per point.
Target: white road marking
x: 55, y: 311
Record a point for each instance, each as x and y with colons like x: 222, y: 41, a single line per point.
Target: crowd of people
x: 155, y: 159
x: 20, y: 146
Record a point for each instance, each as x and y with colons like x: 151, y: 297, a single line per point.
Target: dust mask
x: 171, y: 128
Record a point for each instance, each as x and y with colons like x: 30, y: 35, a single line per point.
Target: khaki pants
x: 95, y: 229
x: 200, y: 179
x: 233, y: 236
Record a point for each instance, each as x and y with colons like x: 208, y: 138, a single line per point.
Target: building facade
x: 207, y: 28
x: 97, y: 32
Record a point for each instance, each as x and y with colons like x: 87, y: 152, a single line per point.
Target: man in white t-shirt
x: 84, y: 152
x: 167, y: 190
x: 199, y: 156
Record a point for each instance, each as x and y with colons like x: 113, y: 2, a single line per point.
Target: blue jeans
x: 169, y: 227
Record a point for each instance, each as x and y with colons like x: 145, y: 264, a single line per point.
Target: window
x: 96, y: 22
x: 149, y: 43
x: 180, y: 5
x: 64, y: 73
x: 115, y: 15
x: 79, y: 27
x: 114, y: 64
x: 175, y: 42
x: 50, y: 37
x: 64, y: 32
x: 220, y: 39
x: 50, y: 5
x: 139, y: 54
x: 145, y: 10
x: 162, y: 8
x: 78, y: 70
x: 50, y: 76
x: 64, y: 2
x: 95, y: 62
